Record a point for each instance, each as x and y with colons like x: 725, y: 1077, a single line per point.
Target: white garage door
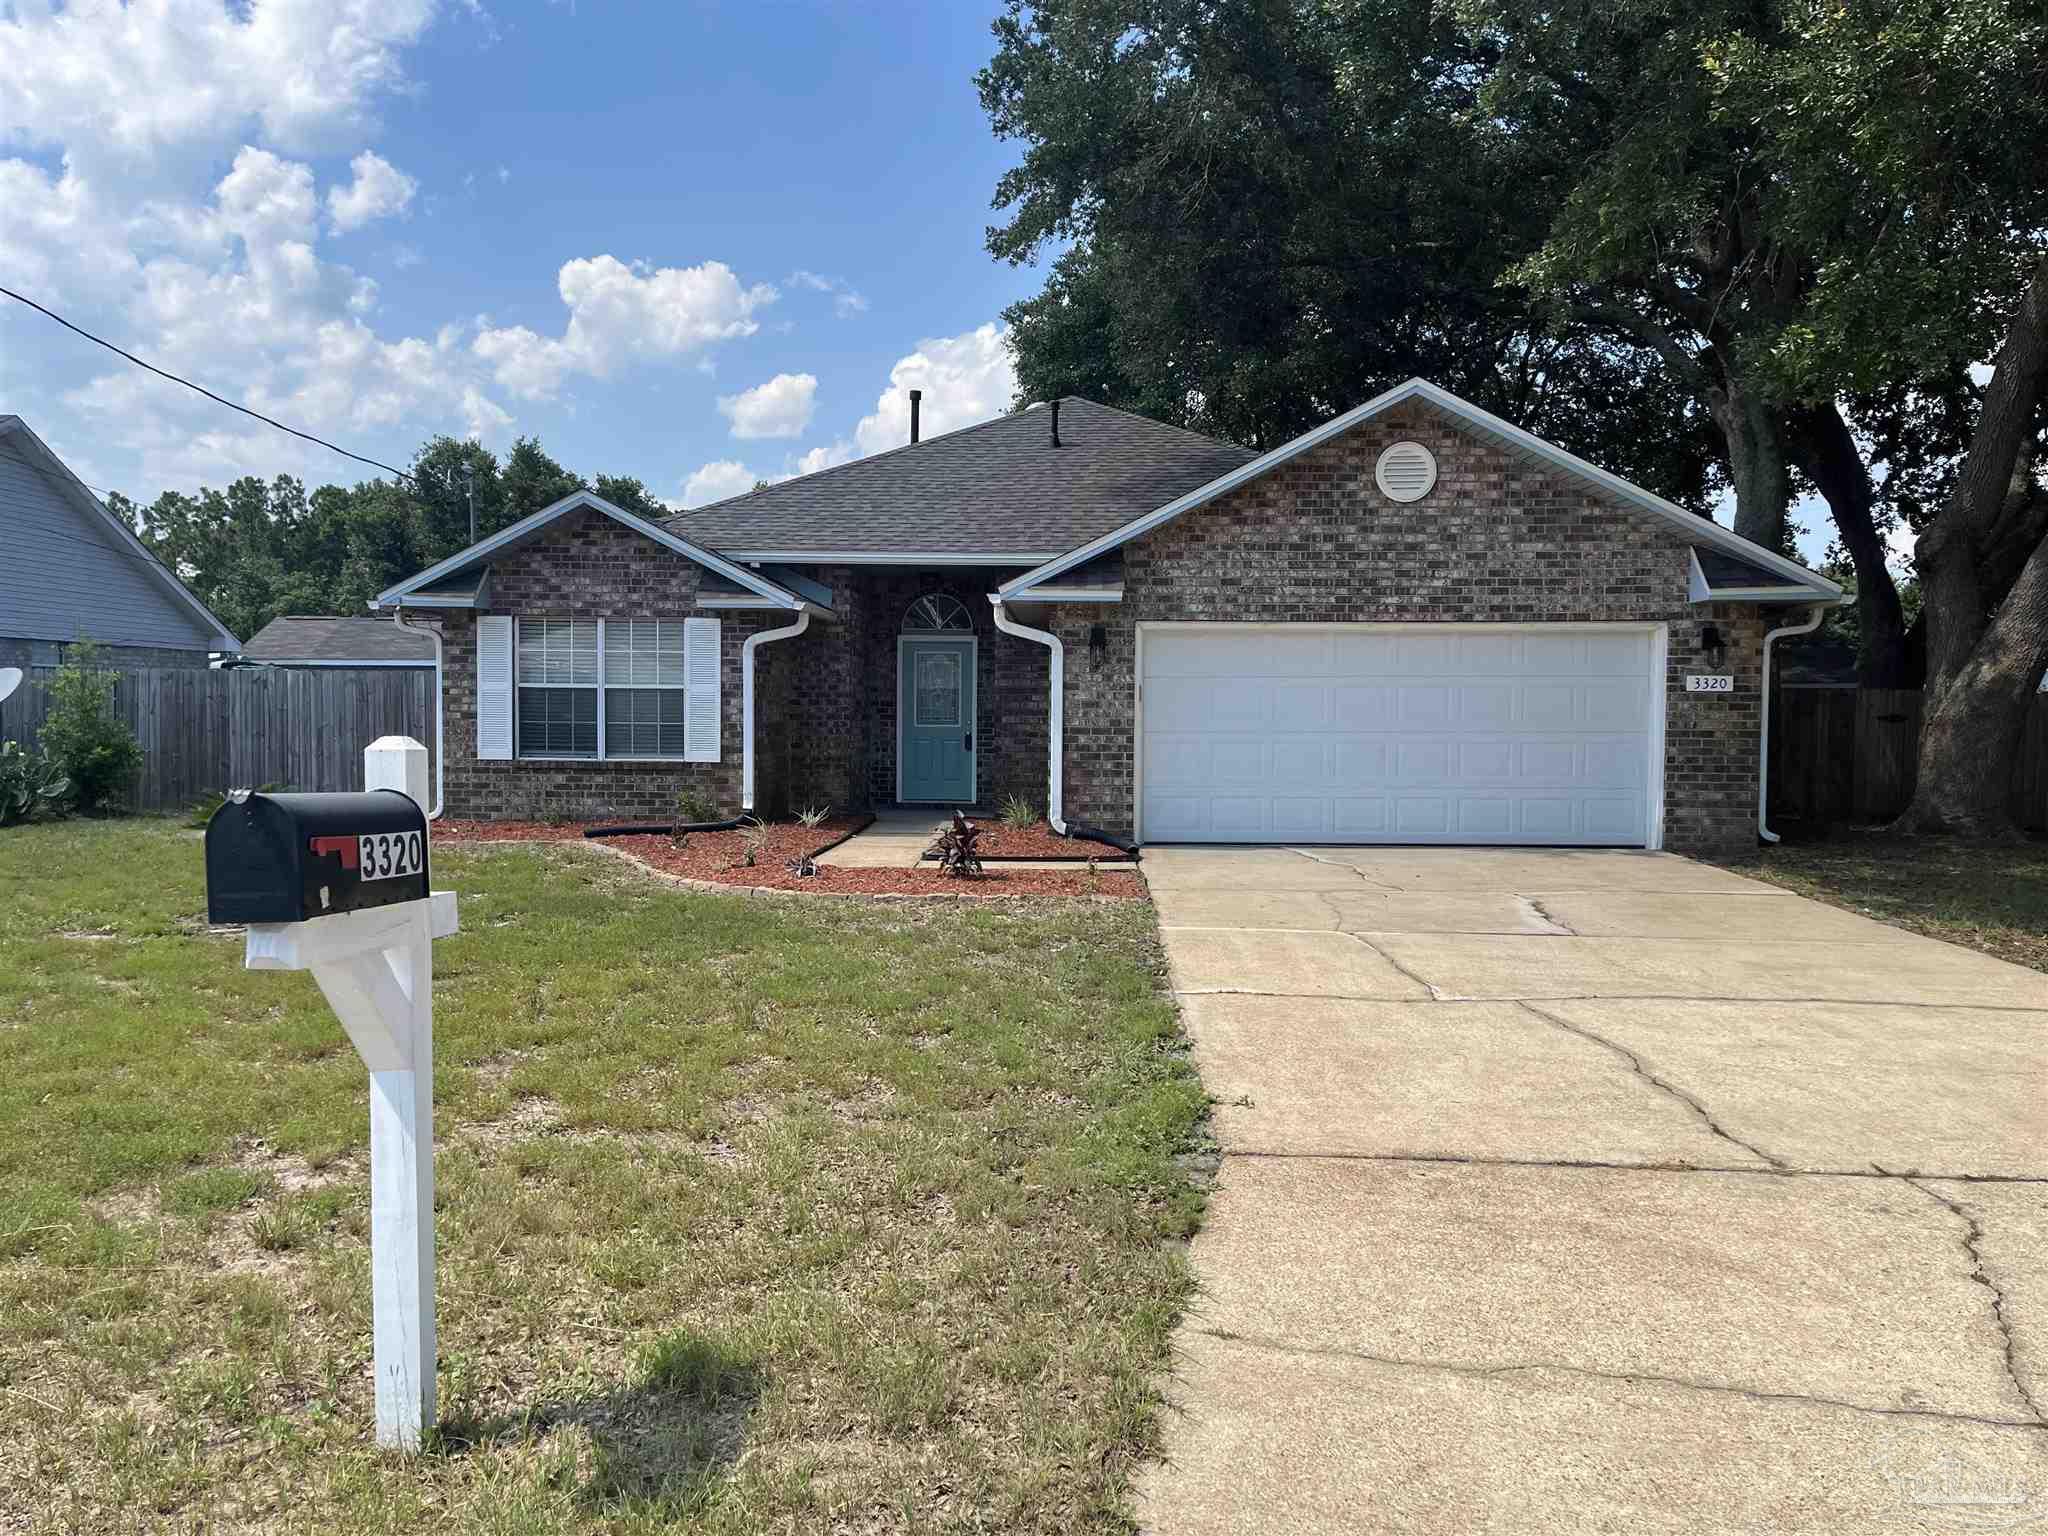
x: 1439, y: 733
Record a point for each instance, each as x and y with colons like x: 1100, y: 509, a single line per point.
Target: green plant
x: 693, y: 808
x: 1019, y: 812
x: 753, y: 841
x: 28, y: 783
x: 91, y: 745
x: 813, y: 816
x: 955, y: 849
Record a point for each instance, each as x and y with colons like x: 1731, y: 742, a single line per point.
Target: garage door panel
x: 1458, y: 734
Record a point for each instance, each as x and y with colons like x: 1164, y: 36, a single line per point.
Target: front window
x: 609, y: 688
x: 558, y: 688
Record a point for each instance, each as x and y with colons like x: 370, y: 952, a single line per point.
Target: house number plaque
x: 1698, y: 682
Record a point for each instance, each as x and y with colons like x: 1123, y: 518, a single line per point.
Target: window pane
x: 938, y: 688
x: 558, y: 651
x: 557, y: 722
x: 643, y: 653
x: 643, y: 722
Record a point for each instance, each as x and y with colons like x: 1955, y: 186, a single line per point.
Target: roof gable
x: 115, y: 536
x: 998, y: 492
x: 1468, y: 417
x: 530, y: 525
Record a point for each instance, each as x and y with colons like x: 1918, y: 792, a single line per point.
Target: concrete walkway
x: 1600, y: 1192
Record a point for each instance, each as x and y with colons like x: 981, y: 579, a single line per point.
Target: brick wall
x: 1498, y: 539
x: 588, y: 567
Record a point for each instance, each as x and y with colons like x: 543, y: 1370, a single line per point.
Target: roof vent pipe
x: 915, y: 396
x: 1055, y: 422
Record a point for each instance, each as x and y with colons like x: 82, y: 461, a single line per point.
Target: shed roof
x: 331, y: 637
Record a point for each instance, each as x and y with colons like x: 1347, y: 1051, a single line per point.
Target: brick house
x: 1416, y: 623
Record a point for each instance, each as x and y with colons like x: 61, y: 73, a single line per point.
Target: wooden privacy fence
x: 246, y: 726
x: 1851, y: 754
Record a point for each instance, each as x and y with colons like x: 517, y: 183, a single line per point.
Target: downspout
x: 1055, y: 729
x: 398, y: 618
x: 1763, y: 766
x: 788, y: 632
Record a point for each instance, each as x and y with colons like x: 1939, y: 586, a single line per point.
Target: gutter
x: 440, y: 758
x: 1056, y: 709
x: 1763, y: 766
x: 753, y: 641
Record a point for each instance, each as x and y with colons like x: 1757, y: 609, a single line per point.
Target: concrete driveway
x: 1600, y: 1192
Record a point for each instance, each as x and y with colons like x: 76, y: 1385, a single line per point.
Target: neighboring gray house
x: 329, y: 640
x: 70, y: 570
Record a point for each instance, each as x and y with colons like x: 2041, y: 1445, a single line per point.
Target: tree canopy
x: 259, y: 549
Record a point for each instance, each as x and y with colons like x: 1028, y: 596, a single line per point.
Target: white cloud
x: 846, y: 300
x: 123, y: 85
x: 780, y: 408
x: 965, y: 379
x: 824, y: 457
x: 380, y: 189
x: 619, y: 314
x: 716, y: 481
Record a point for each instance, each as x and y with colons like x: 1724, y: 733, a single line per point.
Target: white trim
x: 885, y: 557
x: 576, y: 500
x: 1657, y: 631
x: 1056, y: 710
x: 418, y: 600
x: 727, y: 604
x: 42, y: 457
x: 1693, y: 525
x: 973, y: 716
x: 1067, y: 595
x: 747, y: 649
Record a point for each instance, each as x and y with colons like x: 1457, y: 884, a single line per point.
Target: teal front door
x: 935, y: 725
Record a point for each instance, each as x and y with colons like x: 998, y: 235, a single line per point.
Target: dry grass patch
x: 752, y: 1215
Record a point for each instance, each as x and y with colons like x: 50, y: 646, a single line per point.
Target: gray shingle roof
x: 998, y: 488
x: 326, y: 637
x: 1725, y: 570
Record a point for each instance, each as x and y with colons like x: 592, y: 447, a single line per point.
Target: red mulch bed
x: 718, y: 862
x: 1038, y: 841
x: 715, y: 857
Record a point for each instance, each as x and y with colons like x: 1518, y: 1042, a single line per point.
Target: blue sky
x: 695, y: 243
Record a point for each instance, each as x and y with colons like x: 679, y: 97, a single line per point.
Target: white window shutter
x: 701, y: 673
x: 494, y: 686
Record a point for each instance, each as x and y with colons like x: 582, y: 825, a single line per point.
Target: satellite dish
x: 10, y: 679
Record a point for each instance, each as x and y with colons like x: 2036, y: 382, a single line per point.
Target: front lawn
x: 1988, y: 897
x: 755, y: 1214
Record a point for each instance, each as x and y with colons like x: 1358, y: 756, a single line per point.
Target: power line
x: 202, y: 389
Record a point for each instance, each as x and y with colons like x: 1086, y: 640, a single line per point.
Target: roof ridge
x: 869, y: 458
x: 1154, y: 421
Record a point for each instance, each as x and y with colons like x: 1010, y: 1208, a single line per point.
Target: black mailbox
x: 286, y: 858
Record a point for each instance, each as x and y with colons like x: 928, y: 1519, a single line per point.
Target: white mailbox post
x: 376, y: 969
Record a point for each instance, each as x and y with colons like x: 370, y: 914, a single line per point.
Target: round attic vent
x: 1405, y: 472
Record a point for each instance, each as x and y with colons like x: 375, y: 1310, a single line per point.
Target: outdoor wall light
x: 1098, y: 639
x: 1712, y: 647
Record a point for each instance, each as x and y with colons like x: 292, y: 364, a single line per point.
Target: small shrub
x: 91, y: 745
x: 813, y: 816
x: 955, y: 849
x: 1019, y: 812
x: 753, y: 841
x: 29, y: 783
x: 803, y: 866
x: 694, y: 808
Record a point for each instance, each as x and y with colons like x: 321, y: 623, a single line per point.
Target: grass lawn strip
x: 752, y: 1215
x: 1989, y: 897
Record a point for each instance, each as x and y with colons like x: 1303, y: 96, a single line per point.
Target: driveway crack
x: 1317, y: 858
x: 1754, y: 1394
x: 1973, y: 1239
x: 1535, y: 904
x: 1430, y: 987
x: 1672, y: 1089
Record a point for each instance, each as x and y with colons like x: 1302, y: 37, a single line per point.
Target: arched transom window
x: 936, y: 611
